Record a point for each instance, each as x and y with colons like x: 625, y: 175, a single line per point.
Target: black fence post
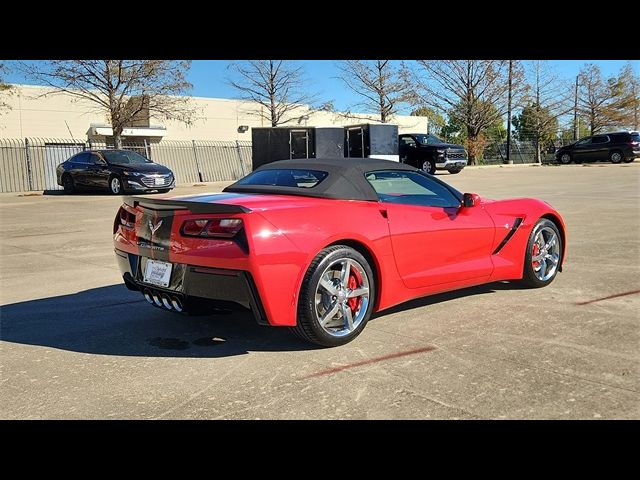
x: 195, y: 156
x: 28, y: 158
x: 240, y: 157
x: 146, y: 148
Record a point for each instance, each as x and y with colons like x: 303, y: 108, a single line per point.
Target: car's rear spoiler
x: 195, y: 207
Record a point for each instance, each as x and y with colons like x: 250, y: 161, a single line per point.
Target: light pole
x: 509, y: 114
x: 576, y: 127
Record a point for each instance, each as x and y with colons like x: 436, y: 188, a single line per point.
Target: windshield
x: 429, y: 139
x: 124, y: 157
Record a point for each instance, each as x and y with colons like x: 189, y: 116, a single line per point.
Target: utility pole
x: 509, y: 114
x: 576, y: 132
x: 635, y: 106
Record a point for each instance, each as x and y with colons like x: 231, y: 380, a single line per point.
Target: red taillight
x: 127, y: 219
x: 217, y: 227
x: 193, y: 227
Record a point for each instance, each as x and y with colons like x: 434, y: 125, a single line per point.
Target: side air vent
x: 516, y: 224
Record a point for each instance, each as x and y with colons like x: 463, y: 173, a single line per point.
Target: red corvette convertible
x: 319, y: 245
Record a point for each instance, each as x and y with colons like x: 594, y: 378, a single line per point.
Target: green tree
x: 536, y: 123
x: 548, y: 98
x: 455, y: 131
x: 5, y: 89
x: 436, y: 121
x: 566, y: 135
x: 125, y: 90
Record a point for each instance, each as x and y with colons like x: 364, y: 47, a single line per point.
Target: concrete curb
x: 505, y: 165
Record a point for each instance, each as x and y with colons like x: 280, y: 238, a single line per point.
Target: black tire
x: 616, y: 156
x: 121, y: 190
x: 453, y: 171
x: 67, y: 184
x: 529, y: 277
x: 566, y: 158
x: 308, y: 325
x: 428, y: 166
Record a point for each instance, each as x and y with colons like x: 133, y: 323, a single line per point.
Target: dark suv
x: 616, y: 147
x: 428, y: 152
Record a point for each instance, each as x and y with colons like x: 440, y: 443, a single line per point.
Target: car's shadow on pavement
x: 115, y: 321
x: 443, y: 297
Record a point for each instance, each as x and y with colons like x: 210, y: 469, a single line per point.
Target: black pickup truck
x: 427, y: 152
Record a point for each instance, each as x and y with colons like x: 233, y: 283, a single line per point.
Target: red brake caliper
x: 355, y: 280
x: 534, y: 252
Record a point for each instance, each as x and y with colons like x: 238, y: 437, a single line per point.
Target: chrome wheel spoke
x: 358, y: 292
x: 328, y: 286
x: 540, y: 238
x: 551, y: 242
x: 348, y: 317
x: 344, y: 273
x: 543, y: 267
x: 538, y: 257
x: 330, y: 313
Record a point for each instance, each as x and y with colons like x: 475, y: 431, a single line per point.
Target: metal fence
x: 523, y: 150
x: 30, y: 163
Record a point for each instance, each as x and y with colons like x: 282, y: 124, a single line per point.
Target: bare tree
x: 123, y: 89
x: 378, y: 82
x: 548, y: 99
x: 277, y: 86
x: 598, y: 99
x: 629, y: 104
x: 472, y: 92
x: 5, y: 89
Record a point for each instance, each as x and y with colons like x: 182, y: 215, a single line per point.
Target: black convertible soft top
x: 345, y: 181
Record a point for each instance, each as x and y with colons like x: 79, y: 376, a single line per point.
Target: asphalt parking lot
x: 75, y: 343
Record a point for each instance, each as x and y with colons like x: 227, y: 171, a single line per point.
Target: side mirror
x: 470, y: 200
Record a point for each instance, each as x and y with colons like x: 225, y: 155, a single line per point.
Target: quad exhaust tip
x: 156, y: 299
x: 147, y: 296
x: 177, y: 304
x: 162, y: 300
x: 166, y: 302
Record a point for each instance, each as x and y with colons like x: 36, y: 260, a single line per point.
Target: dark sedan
x: 616, y: 147
x: 119, y: 171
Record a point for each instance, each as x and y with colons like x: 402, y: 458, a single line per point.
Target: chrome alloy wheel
x: 545, y: 254
x: 342, y: 297
x: 565, y: 158
x: 115, y: 185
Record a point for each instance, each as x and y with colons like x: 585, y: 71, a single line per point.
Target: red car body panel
x: 414, y: 251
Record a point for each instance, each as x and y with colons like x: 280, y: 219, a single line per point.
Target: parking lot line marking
x: 390, y: 356
x: 607, y: 298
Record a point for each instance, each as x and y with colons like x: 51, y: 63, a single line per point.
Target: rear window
x: 286, y: 177
x: 635, y: 137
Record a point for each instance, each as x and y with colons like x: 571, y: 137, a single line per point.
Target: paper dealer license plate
x: 159, y: 181
x: 157, y: 273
